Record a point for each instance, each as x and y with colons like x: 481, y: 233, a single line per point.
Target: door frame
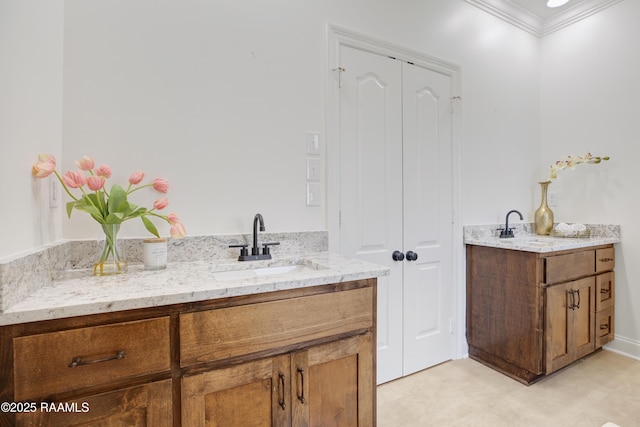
x: 336, y: 38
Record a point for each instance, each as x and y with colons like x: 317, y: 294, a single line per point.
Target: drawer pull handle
x: 574, y: 305
x: 281, y: 401
x: 77, y: 361
x: 605, y: 291
x: 606, y: 259
x: 301, y: 396
x: 604, y: 326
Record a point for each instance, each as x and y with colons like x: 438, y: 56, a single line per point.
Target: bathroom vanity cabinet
x: 530, y: 314
x: 298, y: 357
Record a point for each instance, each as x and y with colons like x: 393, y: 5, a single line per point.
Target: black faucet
x: 506, y: 231
x: 255, y: 250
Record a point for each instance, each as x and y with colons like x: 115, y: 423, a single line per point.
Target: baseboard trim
x: 624, y: 346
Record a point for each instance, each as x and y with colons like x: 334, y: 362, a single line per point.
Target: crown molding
x: 527, y: 21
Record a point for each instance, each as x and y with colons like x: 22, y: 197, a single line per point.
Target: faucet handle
x: 508, y: 232
x: 265, y: 247
x: 243, y: 251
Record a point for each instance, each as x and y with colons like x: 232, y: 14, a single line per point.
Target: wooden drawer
x: 563, y: 268
x: 57, y: 362
x: 148, y: 405
x: 229, y: 332
x: 605, y: 259
x: 604, y: 327
x: 605, y: 290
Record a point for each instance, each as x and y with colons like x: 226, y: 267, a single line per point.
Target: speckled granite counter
x: 82, y: 294
x: 526, y: 240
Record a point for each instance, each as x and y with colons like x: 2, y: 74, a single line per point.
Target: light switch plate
x: 313, y: 194
x: 313, y: 169
x: 313, y: 142
x: 53, y: 192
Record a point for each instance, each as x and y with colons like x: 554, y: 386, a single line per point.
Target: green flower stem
x: 64, y: 186
x: 86, y: 196
x: 129, y: 190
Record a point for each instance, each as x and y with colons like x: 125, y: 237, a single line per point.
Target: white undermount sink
x: 272, y: 270
x: 532, y: 241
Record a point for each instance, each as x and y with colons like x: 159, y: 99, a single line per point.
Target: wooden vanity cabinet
x: 301, y: 357
x: 302, y: 385
x: 530, y: 314
x: 326, y: 384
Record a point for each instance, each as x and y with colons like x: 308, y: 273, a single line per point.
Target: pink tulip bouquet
x: 108, y: 206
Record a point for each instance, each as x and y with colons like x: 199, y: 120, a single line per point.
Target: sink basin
x: 532, y: 241
x: 273, y: 270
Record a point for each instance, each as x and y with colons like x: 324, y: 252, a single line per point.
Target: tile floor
x: 604, y: 387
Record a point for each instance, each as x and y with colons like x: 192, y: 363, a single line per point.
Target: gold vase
x: 543, y: 219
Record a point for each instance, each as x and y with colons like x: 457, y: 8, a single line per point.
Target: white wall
x: 30, y: 118
x: 589, y: 93
x: 216, y: 96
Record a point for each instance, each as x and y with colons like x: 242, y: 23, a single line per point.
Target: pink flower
x: 173, y: 219
x: 161, y: 185
x: 45, y: 166
x: 136, y: 177
x: 86, y: 163
x: 104, y: 171
x: 74, y: 179
x: 161, y: 203
x: 177, y: 231
x: 95, y: 183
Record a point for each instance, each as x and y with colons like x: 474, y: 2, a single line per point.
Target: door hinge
x: 340, y: 70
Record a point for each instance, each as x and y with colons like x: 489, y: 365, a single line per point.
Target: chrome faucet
x: 507, y: 232
x: 255, y: 250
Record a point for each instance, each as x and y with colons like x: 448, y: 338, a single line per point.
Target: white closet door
x: 428, y: 216
x: 371, y: 186
x: 395, y: 195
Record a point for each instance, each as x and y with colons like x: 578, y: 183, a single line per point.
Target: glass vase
x: 543, y: 219
x: 112, y: 259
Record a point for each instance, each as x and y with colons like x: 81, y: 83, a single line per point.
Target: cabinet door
x: 332, y: 384
x: 148, y: 405
x: 570, y: 315
x: 252, y: 394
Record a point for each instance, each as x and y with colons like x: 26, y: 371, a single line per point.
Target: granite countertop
x: 525, y: 240
x: 80, y: 293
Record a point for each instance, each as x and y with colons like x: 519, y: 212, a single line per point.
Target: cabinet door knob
x: 397, y: 256
x: 412, y: 256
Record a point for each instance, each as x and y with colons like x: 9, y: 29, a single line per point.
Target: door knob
x: 397, y: 256
x: 412, y: 256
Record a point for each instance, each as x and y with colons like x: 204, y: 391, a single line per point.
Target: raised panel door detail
x: 395, y: 194
x: 570, y: 322
x: 251, y: 394
x: 371, y: 186
x: 427, y: 213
